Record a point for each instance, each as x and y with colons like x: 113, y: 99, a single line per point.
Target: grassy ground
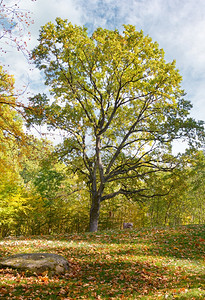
x: 166, y: 263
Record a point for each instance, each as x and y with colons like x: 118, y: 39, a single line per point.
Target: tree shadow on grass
x: 128, y: 264
x: 92, y: 276
x: 185, y: 242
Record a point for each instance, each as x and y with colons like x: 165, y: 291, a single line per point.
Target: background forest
x: 42, y: 194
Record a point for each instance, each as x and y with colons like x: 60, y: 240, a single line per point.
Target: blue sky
x: 4, y: 22
x: 177, y: 25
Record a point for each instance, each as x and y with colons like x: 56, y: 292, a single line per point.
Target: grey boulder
x: 37, y: 263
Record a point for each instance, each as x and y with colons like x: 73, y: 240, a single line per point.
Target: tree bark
x: 96, y: 193
x: 94, y: 215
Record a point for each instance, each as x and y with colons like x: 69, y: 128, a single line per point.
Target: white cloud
x: 47, y: 10
x: 177, y: 25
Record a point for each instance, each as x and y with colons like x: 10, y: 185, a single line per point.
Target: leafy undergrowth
x: 166, y: 263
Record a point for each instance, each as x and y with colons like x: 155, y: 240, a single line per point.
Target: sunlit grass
x: 163, y: 263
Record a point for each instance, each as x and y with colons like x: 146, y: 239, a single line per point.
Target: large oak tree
x: 118, y: 104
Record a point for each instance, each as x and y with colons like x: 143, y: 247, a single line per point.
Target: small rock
x: 127, y: 225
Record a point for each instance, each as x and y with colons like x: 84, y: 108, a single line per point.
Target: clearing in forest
x: 159, y: 263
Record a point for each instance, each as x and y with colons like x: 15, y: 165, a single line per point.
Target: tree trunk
x: 94, y: 215
x: 96, y: 193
